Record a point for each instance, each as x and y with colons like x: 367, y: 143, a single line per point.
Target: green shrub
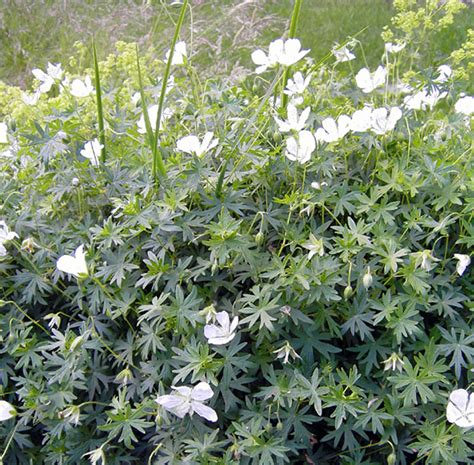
x: 307, y: 276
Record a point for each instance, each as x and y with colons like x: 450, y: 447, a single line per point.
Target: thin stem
x: 35, y: 322
x: 158, y: 165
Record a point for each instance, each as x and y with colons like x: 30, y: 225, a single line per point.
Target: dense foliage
x: 340, y: 246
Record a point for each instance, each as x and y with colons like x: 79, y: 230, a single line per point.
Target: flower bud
x: 392, y: 459
x: 367, y: 278
x: 75, y: 182
x: 259, y: 238
x: 277, y: 136
x: 348, y: 291
x: 28, y: 245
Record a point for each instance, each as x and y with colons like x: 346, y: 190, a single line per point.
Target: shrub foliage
x: 354, y: 315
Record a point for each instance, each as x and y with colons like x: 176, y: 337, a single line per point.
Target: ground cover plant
x: 275, y: 271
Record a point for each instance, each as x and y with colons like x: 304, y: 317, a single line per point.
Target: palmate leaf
x: 459, y: 346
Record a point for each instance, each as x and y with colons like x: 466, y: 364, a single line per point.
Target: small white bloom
x: 96, y: 455
x: 33, y: 98
x: 53, y: 73
x: 361, y: 120
x: 394, y: 48
x: 394, y: 362
x: 300, y: 149
x: 424, y: 99
x: 286, y: 352
x: 191, y: 144
x: 152, y: 115
x: 460, y: 409
x: 3, y: 133
x: 292, y: 52
x: 433, y: 97
x: 465, y: 105
x: 5, y: 235
x: 75, y: 265
x: 186, y: 400
x: 294, y: 123
x: 445, y: 72
x: 318, y: 186
x: 81, y: 88
x: 281, y: 52
x: 7, y: 410
x: 92, y: 150
x: 315, y: 246
x: 383, y: 120
x: 342, y: 54
x: 222, y: 333
x: 180, y: 53
x: 136, y: 98
x: 332, y: 131
x: 369, y: 81
x: 463, y: 262
x: 297, y: 85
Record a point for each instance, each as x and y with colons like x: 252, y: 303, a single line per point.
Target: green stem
x: 158, y: 165
x: 100, y: 113
x: 293, y: 24
x: 27, y: 316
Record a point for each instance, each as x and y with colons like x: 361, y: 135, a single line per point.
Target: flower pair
x: 285, y: 53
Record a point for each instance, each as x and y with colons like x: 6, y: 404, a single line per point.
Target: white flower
x: 222, y: 333
x: 315, y: 246
x: 7, y: 410
x: 394, y: 362
x: 3, y: 133
x: 136, y: 98
x: 342, y: 54
x: 300, y: 149
x: 463, y: 262
x: 433, y: 97
x: 424, y: 98
x: 5, y: 235
x: 297, y: 85
x: 294, y: 123
x: 75, y: 265
x: 96, y: 455
x: 394, y: 48
x: 361, y: 120
x: 53, y: 73
x: 179, y: 55
x: 460, y: 409
x: 465, y: 105
x: 81, y: 88
x: 285, y: 352
x: 445, y: 72
x: 186, y: 400
x: 152, y: 115
x: 368, y: 82
x: 33, y: 98
x: 191, y: 144
x: 383, y: 121
x: 281, y: 52
x: 332, y: 131
x: 318, y: 186
x: 92, y: 150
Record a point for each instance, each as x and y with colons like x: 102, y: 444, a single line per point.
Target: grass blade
x: 149, y: 129
x: 293, y: 24
x: 158, y: 165
x: 100, y: 112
